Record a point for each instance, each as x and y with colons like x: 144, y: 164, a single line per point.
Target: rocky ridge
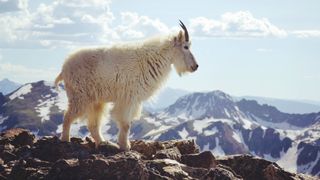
x: 22, y: 156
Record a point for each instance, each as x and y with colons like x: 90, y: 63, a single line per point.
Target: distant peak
x: 5, y: 80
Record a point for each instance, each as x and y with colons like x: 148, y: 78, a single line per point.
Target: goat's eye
x: 186, y: 47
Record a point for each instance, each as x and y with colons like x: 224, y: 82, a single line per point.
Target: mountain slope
x: 225, y: 126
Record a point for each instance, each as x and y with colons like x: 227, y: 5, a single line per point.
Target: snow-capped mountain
x: 215, y: 120
x: 7, y: 86
x: 225, y: 126
x: 35, y: 106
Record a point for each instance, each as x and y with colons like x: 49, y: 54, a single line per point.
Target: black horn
x: 186, y: 34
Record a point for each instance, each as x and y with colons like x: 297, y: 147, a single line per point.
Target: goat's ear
x: 180, y: 36
x: 177, y: 40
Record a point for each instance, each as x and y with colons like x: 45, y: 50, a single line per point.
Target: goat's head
x: 184, y: 60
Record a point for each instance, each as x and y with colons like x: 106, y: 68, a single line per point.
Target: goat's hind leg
x: 94, y: 113
x: 69, y: 117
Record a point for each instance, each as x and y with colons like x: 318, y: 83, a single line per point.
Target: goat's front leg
x: 123, y: 136
x: 123, y: 114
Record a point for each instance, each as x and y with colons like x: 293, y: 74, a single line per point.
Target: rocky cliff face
x: 22, y: 156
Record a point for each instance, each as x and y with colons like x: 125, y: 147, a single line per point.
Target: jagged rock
x: 149, y: 148
x: 171, y: 153
x: 168, y: 168
x: 121, y: 166
x: 8, y: 156
x: 204, y: 160
x: 49, y: 158
x: 52, y: 149
x: 250, y: 167
x: 108, y: 148
x: 221, y: 174
x: 17, y: 137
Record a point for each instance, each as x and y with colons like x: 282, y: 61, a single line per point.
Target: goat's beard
x: 180, y: 67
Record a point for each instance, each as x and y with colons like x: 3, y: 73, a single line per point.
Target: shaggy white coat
x: 125, y: 74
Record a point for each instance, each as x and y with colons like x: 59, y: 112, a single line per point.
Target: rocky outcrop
x: 22, y: 156
x: 250, y: 167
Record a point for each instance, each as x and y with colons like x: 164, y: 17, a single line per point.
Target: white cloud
x: 72, y: 23
x: 134, y: 26
x: 235, y: 24
x: 12, y: 27
x: 85, y: 3
x: 306, y: 33
x: 54, y: 24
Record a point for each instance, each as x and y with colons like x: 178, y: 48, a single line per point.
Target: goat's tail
x: 59, y: 78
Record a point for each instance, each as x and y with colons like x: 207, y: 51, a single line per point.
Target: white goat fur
x: 126, y: 75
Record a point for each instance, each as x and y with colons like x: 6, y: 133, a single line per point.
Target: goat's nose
x: 196, y: 67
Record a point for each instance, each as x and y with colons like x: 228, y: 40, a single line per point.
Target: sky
x: 266, y: 48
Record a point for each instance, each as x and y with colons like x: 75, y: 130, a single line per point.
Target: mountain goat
x: 124, y: 74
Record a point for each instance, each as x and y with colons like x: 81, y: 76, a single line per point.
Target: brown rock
x: 8, y: 156
x: 149, y: 148
x: 108, y: 148
x: 168, y: 168
x: 51, y: 149
x: 35, y: 163
x: 204, y: 160
x: 18, y: 137
x: 171, y: 153
x: 220, y: 174
x: 273, y: 171
x: 187, y: 146
x: 49, y: 158
x: 250, y: 167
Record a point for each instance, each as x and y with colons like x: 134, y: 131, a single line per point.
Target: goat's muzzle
x: 194, y: 67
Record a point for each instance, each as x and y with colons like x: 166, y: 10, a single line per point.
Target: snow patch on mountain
x: 183, y: 133
x: 55, y: 98
x: 2, y: 119
x: 218, y: 149
x: 247, y: 124
x: 152, y: 121
x: 43, y: 109
x: 199, y: 125
x: 288, y: 160
x: 211, y: 132
x: 21, y: 92
x: 237, y: 136
x: 157, y: 131
x: 61, y: 100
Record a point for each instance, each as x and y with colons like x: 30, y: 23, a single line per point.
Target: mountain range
x: 289, y: 106
x: 215, y: 120
x: 168, y: 96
